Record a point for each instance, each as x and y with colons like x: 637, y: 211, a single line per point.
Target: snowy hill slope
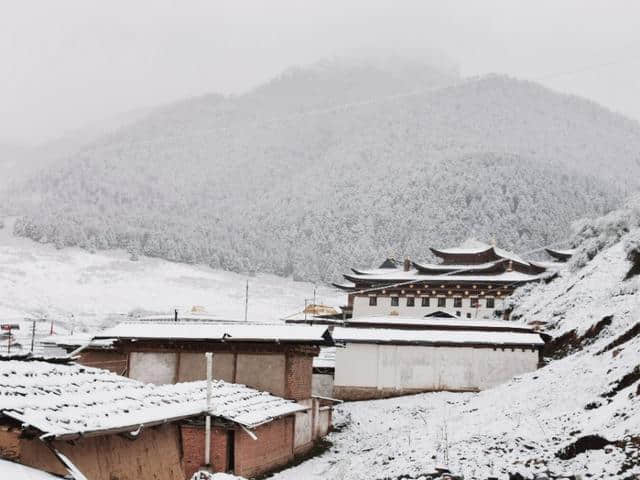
x: 580, y: 414
x: 38, y: 280
x: 334, y: 165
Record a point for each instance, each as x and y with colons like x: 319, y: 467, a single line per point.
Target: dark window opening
x: 442, y: 302
x: 491, y: 302
x: 475, y: 303
x: 395, y: 301
x: 373, y: 301
x: 458, y: 313
x: 425, y: 301
x: 457, y: 302
x: 411, y: 302
x: 468, y: 315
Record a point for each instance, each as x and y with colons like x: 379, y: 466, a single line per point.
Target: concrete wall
x: 361, y: 307
x: 266, y: 372
x: 151, y: 367
x: 322, y: 385
x: 263, y: 372
x: 375, y: 371
x: 155, y: 454
x: 303, y: 429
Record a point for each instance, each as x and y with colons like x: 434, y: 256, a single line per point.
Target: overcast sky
x: 67, y: 63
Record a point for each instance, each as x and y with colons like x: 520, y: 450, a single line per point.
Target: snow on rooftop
x: 326, y: 359
x: 439, y: 322
x: 64, y: 400
x: 506, y: 276
x: 217, y: 332
x: 436, y: 337
x: 15, y: 471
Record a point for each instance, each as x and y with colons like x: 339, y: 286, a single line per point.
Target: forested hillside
x: 339, y: 164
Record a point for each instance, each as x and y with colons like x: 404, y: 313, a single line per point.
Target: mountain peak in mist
x: 337, y: 165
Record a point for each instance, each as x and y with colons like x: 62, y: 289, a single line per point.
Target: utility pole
x: 33, y: 334
x: 51, y: 330
x: 73, y: 323
x: 246, y: 301
x: 314, y: 294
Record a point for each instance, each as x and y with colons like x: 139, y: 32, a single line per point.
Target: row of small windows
x: 442, y: 302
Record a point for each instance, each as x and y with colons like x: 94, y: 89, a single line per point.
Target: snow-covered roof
x: 15, y: 471
x: 76, y: 340
x: 446, y: 267
x: 435, y: 337
x: 435, y: 323
x: 402, y: 276
x: 245, y: 332
x: 475, y: 247
x: 70, y: 400
x: 326, y: 358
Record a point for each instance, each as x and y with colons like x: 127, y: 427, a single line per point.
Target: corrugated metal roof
x: 66, y: 401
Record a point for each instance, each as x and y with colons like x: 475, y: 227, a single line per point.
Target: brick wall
x: 272, y: 449
x: 193, y: 449
x: 299, y: 371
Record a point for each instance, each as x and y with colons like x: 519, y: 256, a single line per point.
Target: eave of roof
x: 226, y: 333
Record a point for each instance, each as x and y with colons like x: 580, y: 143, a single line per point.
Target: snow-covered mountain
x: 578, y: 415
x: 338, y: 164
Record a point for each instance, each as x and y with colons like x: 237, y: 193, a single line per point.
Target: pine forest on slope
x: 337, y: 165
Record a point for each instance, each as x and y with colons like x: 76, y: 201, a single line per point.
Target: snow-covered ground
x: 37, y: 280
x: 521, y: 426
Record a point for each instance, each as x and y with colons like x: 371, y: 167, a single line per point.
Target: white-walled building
x: 386, y: 362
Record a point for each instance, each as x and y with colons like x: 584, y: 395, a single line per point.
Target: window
x: 394, y: 301
x: 457, y: 302
x: 411, y: 302
x: 425, y: 301
x: 373, y: 301
x: 457, y: 313
x: 468, y: 315
x: 442, y: 302
x: 475, y: 303
x: 491, y: 302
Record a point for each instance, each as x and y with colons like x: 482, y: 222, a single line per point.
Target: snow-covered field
x: 38, y: 280
x: 521, y: 426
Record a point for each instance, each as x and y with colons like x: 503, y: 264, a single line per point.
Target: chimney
x: 407, y: 264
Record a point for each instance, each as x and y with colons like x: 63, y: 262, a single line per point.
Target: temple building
x: 471, y: 281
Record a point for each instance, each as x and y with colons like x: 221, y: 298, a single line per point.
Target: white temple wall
x: 361, y: 308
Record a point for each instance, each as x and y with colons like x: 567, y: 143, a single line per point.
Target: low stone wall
x: 372, y: 393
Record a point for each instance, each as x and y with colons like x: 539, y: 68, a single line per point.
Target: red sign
x: 9, y: 326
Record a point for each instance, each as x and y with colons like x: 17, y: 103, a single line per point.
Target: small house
x: 386, y: 362
x: 65, y: 418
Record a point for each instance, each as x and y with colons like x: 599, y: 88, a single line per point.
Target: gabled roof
x: 474, y: 247
x: 68, y: 401
x: 214, y: 332
x: 437, y: 337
